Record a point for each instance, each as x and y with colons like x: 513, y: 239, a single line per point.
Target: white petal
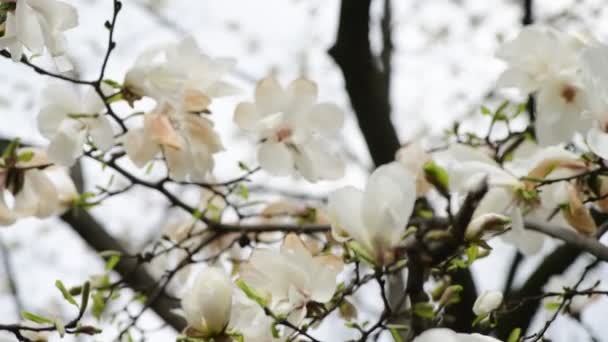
x: 62, y: 96
x: 437, y: 335
x: 597, y: 140
x: 246, y: 116
x: 101, y: 132
x: 50, y: 119
x: 475, y: 338
x: 7, y: 216
x: 276, y: 158
x: 487, y: 302
x: 516, y: 78
x: 66, y: 146
x: 528, y: 242
x: 59, y: 15
x: 139, y: 147
x: 207, y: 304
x: 317, y: 162
x: 92, y: 102
x: 324, y: 118
x: 38, y: 196
x: 178, y: 162
x: 29, y: 31
x: 269, y: 96
x: 561, y: 131
x: 388, y: 203
x: 344, y: 210
x: 301, y: 94
x: 324, y: 282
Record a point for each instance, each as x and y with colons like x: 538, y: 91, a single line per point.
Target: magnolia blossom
x: 595, y: 76
x: 187, y: 141
x: 413, y: 157
x: 545, y: 61
x: 36, y: 24
x: 512, y: 195
x: 181, y: 75
x: 376, y: 217
x: 36, y: 190
x: 292, y: 129
x: 250, y: 320
x: 68, y: 119
x: 487, y: 302
x: 447, y: 335
x: 292, y: 277
x: 207, y: 303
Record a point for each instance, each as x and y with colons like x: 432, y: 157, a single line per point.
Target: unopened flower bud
x: 208, y: 302
x: 487, y: 302
x: 486, y: 223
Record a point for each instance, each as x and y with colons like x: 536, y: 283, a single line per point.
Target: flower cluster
x: 542, y: 175
x: 35, y: 25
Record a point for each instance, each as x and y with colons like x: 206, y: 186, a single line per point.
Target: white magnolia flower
x: 292, y: 277
x: 68, y: 119
x: 36, y: 24
x: 545, y: 61
x: 187, y: 141
x: 292, y: 129
x: 595, y: 76
x: 36, y: 188
x: 447, y: 335
x: 181, y: 75
x: 207, y: 303
x: 376, y: 217
x: 487, y: 302
x: 414, y: 157
x: 512, y: 196
x: 249, y: 319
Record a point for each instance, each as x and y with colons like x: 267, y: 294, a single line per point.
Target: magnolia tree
x: 248, y: 270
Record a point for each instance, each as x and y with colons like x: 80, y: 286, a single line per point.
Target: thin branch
x: 587, y: 244
x: 10, y: 277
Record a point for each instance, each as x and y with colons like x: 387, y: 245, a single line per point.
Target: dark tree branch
x: 554, y: 264
x: 131, y: 272
x: 365, y: 82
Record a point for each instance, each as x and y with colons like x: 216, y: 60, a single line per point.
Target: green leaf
x: 112, y: 262
x: 395, y: 334
x: 10, y: 150
x: 361, y: 253
x: 244, y: 167
x: 251, y: 293
x: 25, y: 156
x: 472, y: 254
x: 112, y: 83
x: 66, y: 294
x: 480, y: 318
x: 86, y: 289
x: 35, y: 318
x: 275, y: 330
x: 140, y: 297
x: 552, y: 306
x: 99, y: 304
x: 424, y: 310
x: 486, y: 111
x: 437, y: 176
x: 514, y: 335
x: 242, y: 191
